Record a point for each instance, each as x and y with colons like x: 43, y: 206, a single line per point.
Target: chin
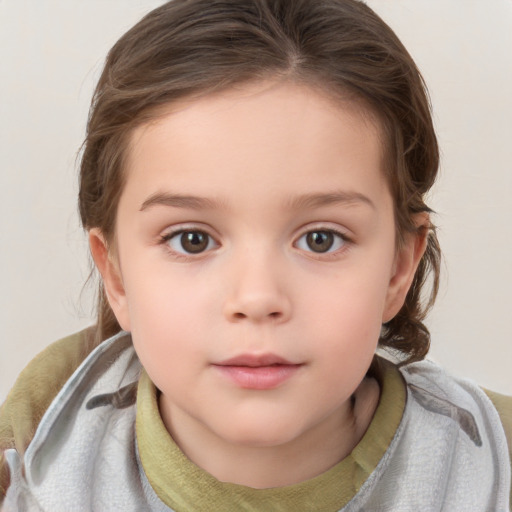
x: 261, y: 434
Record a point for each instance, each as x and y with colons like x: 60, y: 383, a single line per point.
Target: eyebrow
x: 316, y: 200
x: 179, y: 201
x: 304, y: 201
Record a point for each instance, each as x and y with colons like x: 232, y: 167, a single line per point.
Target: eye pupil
x: 320, y: 241
x: 194, y: 241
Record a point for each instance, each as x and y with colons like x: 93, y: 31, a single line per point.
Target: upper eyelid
x: 346, y: 244
x: 320, y: 226
x: 340, y: 234
x: 170, y: 233
x: 344, y: 234
x: 166, y: 237
x: 180, y: 228
x: 307, y: 228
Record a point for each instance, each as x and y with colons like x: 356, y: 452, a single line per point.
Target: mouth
x: 258, y: 372
x: 256, y: 361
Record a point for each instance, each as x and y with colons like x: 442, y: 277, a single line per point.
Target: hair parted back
x: 194, y: 47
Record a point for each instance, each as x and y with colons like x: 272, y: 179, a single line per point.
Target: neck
x: 277, y: 465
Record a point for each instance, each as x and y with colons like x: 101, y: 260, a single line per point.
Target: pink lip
x: 260, y: 372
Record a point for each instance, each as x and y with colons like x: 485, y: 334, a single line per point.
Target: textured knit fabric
x: 35, y: 389
x: 446, y: 450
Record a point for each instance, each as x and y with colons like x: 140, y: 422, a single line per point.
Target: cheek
x: 167, y: 315
x: 166, y: 333
x: 159, y: 293
x: 345, y: 315
x: 354, y: 298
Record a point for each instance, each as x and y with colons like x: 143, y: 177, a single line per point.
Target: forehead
x: 281, y: 134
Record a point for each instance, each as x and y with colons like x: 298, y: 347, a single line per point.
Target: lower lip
x: 259, y: 377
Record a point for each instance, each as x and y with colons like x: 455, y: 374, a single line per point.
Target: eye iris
x: 320, y: 241
x: 194, y: 241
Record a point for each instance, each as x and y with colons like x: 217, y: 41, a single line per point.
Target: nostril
x: 274, y: 315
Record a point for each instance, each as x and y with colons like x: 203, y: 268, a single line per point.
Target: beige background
x: 51, y: 52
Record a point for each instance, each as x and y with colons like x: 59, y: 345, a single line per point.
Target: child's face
x: 257, y: 261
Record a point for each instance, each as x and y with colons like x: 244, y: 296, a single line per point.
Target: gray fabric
x: 83, y: 456
x: 449, y: 453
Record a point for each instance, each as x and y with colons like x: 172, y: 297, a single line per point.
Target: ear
x: 108, y: 267
x: 406, y: 262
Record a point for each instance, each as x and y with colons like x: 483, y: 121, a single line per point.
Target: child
x: 252, y: 183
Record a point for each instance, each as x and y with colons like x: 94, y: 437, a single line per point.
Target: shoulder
x: 35, y: 389
x: 462, y: 400
x: 426, y: 379
x: 433, y: 378
x: 503, y: 405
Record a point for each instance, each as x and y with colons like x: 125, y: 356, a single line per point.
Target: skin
x: 271, y: 163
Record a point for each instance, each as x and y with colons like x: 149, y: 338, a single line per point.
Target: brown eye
x: 194, y: 241
x: 190, y: 242
x: 320, y: 241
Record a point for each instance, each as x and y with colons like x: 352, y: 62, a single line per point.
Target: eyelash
x: 342, y: 238
x: 166, y: 238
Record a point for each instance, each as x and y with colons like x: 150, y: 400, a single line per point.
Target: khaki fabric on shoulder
x: 33, y: 392
x: 503, y: 405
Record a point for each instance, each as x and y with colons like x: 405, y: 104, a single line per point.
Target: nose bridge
x: 257, y: 290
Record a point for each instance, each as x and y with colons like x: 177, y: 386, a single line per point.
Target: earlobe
x: 407, y: 259
x: 110, y: 272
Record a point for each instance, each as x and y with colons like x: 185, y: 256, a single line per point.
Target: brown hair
x: 192, y: 47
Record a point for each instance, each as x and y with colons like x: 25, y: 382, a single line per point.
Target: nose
x: 257, y: 292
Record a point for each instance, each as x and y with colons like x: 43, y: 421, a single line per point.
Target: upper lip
x: 255, y: 360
